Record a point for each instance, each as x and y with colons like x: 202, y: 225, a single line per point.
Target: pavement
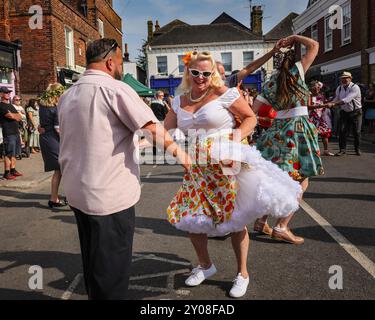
x: 32, y: 169
x: 337, y: 221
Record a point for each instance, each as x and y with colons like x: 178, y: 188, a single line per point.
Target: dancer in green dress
x: 292, y: 140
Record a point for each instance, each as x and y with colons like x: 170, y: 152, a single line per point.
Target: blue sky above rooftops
x: 135, y: 13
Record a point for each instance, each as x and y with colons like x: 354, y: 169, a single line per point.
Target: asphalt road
x: 344, y: 200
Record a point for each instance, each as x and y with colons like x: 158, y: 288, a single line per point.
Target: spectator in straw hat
x: 348, y: 98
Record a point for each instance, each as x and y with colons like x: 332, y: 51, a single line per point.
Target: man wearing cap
x: 9, y: 118
x: 348, y: 97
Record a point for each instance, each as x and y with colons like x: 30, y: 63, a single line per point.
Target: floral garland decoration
x: 52, y: 93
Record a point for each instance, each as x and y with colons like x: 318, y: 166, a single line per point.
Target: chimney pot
x: 126, y: 54
x: 257, y: 20
x: 150, y: 28
x: 157, y: 26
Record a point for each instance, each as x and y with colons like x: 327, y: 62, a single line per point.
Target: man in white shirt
x: 99, y: 117
x: 348, y: 97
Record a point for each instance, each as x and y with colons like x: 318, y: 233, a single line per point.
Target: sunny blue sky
x: 135, y: 14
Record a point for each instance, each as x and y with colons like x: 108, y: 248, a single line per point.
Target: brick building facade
x: 351, y: 48
x: 57, y: 51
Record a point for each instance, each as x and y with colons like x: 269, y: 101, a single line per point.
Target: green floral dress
x: 291, y: 143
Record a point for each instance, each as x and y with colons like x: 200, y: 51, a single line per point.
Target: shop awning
x: 140, y: 88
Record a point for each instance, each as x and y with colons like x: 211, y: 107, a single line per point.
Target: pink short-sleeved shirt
x: 98, y: 117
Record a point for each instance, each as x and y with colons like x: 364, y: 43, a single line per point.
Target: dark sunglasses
x: 114, y: 46
x: 197, y: 73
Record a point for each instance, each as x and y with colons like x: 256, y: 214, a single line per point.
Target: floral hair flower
x: 187, y: 58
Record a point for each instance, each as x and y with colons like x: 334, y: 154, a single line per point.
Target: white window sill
x: 345, y: 44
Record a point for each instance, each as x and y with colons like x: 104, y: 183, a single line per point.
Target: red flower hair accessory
x: 187, y: 58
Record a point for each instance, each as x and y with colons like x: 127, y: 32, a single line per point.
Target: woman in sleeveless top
x: 230, y: 184
x: 319, y: 114
x: 292, y: 141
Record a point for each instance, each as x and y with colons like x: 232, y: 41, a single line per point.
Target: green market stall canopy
x: 140, y: 88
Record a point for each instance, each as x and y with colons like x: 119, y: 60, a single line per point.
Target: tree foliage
x: 142, y: 57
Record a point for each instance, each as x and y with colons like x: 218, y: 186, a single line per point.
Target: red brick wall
x: 111, y: 21
x: 36, y: 54
x: 339, y: 50
x: 44, y: 50
x: 83, y: 31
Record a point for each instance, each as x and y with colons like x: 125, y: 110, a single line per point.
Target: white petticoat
x: 263, y: 189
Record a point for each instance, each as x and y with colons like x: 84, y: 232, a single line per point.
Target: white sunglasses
x: 196, y: 73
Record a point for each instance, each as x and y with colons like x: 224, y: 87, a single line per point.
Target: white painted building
x: 230, y: 42
x: 131, y: 68
x: 167, y: 61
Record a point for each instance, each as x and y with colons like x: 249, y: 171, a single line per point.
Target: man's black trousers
x: 106, y: 247
x: 350, y: 120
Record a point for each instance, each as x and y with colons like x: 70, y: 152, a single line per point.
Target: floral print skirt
x: 211, y: 201
x: 293, y: 145
x: 323, y: 128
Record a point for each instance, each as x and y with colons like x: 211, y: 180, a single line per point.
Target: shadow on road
x: 155, y: 274
x: 343, y: 180
x: 10, y: 294
x: 358, y: 236
x: 23, y: 195
x: 361, y: 197
x: 69, y: 264
x: 157, y: 226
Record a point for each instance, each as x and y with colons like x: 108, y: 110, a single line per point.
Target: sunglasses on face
x: 196, y: 73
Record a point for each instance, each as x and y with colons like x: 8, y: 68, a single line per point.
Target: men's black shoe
x: 358, y: 152
x: 340, y: 153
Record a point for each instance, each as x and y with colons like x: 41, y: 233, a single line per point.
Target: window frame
x: 180, y: 63
x: 166, y: 64
x: 347, y: 40
x: 326, y: 34
x: 225, y: 65
x: 247, y: 62
x: 101, y: 28
x: 316, y: 38
x: 69, y: 47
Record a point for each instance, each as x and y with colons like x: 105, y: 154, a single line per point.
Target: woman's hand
x: 289, y: 42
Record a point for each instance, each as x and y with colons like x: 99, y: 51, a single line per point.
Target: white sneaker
x: 198, y: 275
x: 239, y: 287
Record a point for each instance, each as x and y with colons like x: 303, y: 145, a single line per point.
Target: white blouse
x: 213, y: 115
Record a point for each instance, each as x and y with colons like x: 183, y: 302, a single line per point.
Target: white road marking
x: 153, y: 257
x: 155, y: 166
x: 69, y: 292
x: 356, y: 254
x: 148, y: 175
x: 161, y: 274
x: 170, y: 276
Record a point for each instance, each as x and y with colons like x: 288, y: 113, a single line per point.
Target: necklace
x: 200, y: 98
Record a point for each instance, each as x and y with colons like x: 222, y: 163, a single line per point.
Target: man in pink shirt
x: 98, y: 118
